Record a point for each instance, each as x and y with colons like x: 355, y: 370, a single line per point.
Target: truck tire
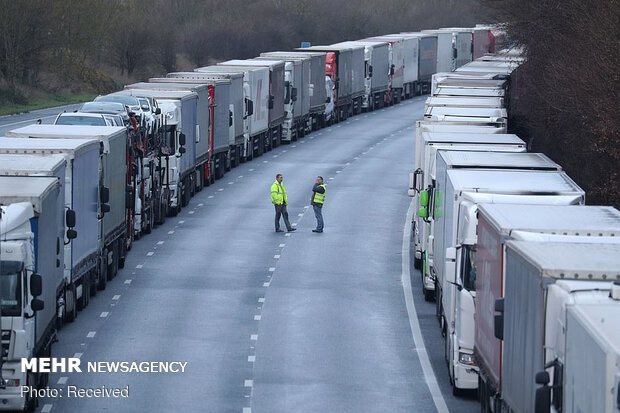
x: 103, y: 277
x: 417, y: 263
x: 83, y: 302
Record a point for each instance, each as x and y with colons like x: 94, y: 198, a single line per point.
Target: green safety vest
x: 318, y: 197
x: 278, y: 194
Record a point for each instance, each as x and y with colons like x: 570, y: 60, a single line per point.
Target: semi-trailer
x: 488, y: 116
x: 358, y: 79
x: 465, y: 101
x: 396, y: 67
x: 481, y: 271
x: 411, y: 56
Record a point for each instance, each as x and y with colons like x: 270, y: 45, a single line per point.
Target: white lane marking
x: 267, y: 284
x: 251, y: 359
x: 160, y: 242
x: 251, y: 169
x: 356, y: 157
x: 139, y: 266
x: 293, y: 146
x: 230, y: 183
x: 91, y: 334
x: 338, y: 172
x: 210, y: 196
x: 221, y: 189
x: 257, y: 317
x: 127, y: 281
x: 77, y: 355
x: 201, y: 204
x: 103, y: 314
x: 47, y: 408
x: 63, y: 380
x: 248, y: 383
x: 276, y: 256
x: 239, y: 177
x: 300, y: 215
x: 311, y: 137
x: 416, y: 332
x: 116, y: 297
x: 261, y: 300
x: 302, y: 142
x: 284, y: 151
x: 272, y: 269
x: 265, y: 161
x: 150, y: 254
x: 247, y: 410
x: 181, y: 222
x: 331, y: 177
x: 190, y: 212
x: 275, y: 156
x: 254, y: 337
x: 288, y: 234
x: 307, y: 206
x: 281, y: 245
x: 171, y: 232
x: 294, y: 224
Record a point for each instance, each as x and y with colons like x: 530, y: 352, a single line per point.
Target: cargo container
x: 338, y: 67
x: 545, y: 282
x: 276, y: 95
x: 116, y: 223
x: 317, y: 91
x: 256, y: 95
x: 494, y: 68
x: 427, y: 59
x: 465, y: 102
x: 411, y: 55
x: 483, y: 116
x: 358, y: 79
x: 238, y: 107
x: 485, y: 251
x: 455, y: 77
x: 454, y: 48
x: 31, y: 233
x: 84, y: 264
x: 397, y: 66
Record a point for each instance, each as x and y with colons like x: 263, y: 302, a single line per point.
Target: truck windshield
x: 10, y: 288
x: 469, y: 267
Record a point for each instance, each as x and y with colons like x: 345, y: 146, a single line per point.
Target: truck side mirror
x: 498, y: 319
x: 71, y: 234
x: 230, y: 118
x: 287, y: 97
x: 370, y: 71
x: 70, y: 218
x: 181, y: 139
x: 294, y: 94
x: 158, y: 111
x: 392, y: 70
x: 328, y: 100
x: 250, y: 107
x: 271, y: 99
x: 454, y: 53
x: 542, y: 399
x: 450, y: 265
x: 104, y: 194
x: 36, y: 305
x: 36, y: 285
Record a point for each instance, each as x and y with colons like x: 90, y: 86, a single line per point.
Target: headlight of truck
x: 466, y: 358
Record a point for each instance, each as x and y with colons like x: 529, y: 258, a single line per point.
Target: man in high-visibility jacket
x: 279, y: 200
x: 317, y: 201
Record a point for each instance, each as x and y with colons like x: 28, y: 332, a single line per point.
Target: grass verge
x: 46, y: 101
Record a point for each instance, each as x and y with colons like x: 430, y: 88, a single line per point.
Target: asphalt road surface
x: 20, y: 120
x: 276, y: 322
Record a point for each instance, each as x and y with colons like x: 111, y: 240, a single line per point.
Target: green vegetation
x: 46, y: 101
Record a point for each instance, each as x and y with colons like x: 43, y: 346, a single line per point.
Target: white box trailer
x: 115, y: 227
x: 317, y: 81
x: 465, y: 102
x: 469, y: 92
x: 31, y: 232
x: 358, y: 75
x: 256, y: 94
x: 411, y: 55
x: 458, y: 76
x: 83, y: 259
x: 397, y: 66
x: 498, y: 68
x: 276, y: 95
x: 376, y: 72
x: 485, y: 116
x: 544, y: 281
x: 179, y: 109
x: 453, y: 203
x: 498, y: 224
x: 237, y: 106
x: 427, y: 59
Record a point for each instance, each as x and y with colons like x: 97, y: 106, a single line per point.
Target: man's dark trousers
x: 318, y: 213
x: 281, y: 211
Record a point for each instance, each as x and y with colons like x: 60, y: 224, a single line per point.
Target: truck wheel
x: 417, y: 263
x: 438, y: 298
x: 123, y: 250
x: 428, y: 295
x: 103, y: 277
x: 83, y: 302
x: 71, y: 305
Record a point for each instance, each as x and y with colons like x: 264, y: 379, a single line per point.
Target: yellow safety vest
x: 278, y: 194
x: 318, y: 197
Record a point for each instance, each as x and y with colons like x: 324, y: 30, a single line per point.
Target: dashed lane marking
x: 210, y: 196
x: 272, y: 269
x: 160, y: 242
x: 77, y: 355
x: 248, y: 383
x: 281, y: 245
x: 150, y: 254
x: 253, y: 337
x: 103, y: 314
x: 139, y: 266
x: 91, y: 334
x: 47, y: 408
x: 276, y: 256
x: 63, y: 380
x: 171, y: 232
x: 251, y: 359
x: 261, y: 300
x: 267, y: 284
x: 127, y: 281
x: 257, y: 317
x: 116, y: 297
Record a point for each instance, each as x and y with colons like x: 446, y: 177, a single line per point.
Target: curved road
x: 275, y: 322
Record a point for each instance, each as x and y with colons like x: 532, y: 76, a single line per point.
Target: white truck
x: 453, y: 48
x: 450, y: 79
x: 459, y: 87
x: 454, y: 205
x: 31, y: 258
x: 480, y: 271
x: 488, y: 116
x: 411, y: 55
x: 83, y: 258
x: 465, y: 101
x: 559, y: 313
x: 396, y: 69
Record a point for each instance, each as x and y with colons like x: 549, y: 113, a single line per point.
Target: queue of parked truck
x: 75, y: 195
x: 525, y: 278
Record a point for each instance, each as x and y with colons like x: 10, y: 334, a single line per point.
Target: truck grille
x: 6, y: 342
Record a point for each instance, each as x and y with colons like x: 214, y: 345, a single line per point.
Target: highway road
x: 276, y: 322
x: 23, y: 119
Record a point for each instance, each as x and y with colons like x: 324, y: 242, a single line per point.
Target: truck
x: 465, y: 101
x: 427, y: 59
x: 238, y: 105
x: 31, y: 257
x: 411, y: 55
x: 482, y: 41
x: 317, y: 91
x: 256, y: 96
x: 466, y: 76
x: 484, y: 252
x: 396, y: 68
x: 428, y: 143
x: 376, y: 72
x: 583, y: 384
x: 116, y: 223
x: 551, y: 288
x: 454, y: 202
x: 471, y: 87
x: 175, y: 159
x: 486, y: 116
x: 338, y: 67
x: 297, y: 98
x: 494, y: 68
x: 358, y: 80
x: 84, y: 268
x: 454, y: 48
x: 276, y: 95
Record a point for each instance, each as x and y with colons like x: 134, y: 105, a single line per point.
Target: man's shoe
x: 292, y: 229
x: 317, y: 230
x: 279, y: 230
